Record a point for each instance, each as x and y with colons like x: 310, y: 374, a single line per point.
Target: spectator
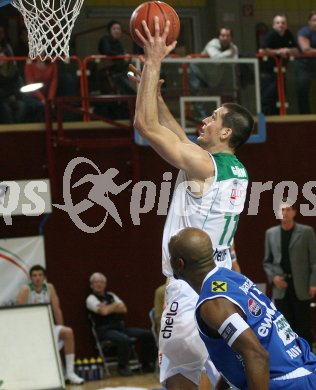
x: 12, y: 105
x: 306, y: 67
x: 222, y: 46
x: 278, y: 42
x: 248, y: 339
x: 290, y: 265
x: 108, y: 311
x: 217, y: 76
x: 112, y: 46
x: 39, y: 291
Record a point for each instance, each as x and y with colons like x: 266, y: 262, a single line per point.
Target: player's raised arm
x: 168, y: 120
x: 220, y: 313
x: 181, y: 154
x: 165, y: 117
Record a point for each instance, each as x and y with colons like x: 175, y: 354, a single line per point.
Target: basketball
x: 147, y: 11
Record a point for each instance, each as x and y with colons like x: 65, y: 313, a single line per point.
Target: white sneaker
x: 74, y: 379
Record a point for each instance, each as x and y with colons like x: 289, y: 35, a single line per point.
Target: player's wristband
x: 232, y: 327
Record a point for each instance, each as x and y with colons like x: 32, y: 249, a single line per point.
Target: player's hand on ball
x: 155, y: 46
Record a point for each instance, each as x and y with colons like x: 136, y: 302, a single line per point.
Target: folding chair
x: 104, y: 346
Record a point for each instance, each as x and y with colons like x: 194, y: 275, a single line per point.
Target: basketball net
x: 49, y: 24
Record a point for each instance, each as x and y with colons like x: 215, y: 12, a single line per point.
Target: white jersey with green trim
x: 38, y: 297
x: 216, y: 211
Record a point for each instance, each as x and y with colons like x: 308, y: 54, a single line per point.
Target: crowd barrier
x: 83, y: 69
x: 86, y: 69
x: 281, y: 69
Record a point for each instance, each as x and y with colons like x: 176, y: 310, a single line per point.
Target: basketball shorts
x: 58, y: 341
x: 181, y: 350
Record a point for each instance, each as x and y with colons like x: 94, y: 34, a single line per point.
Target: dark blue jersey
x: 287, y: 351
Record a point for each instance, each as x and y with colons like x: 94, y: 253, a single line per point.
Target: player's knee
x: 66, y: 333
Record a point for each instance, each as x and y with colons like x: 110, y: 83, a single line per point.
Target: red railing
x: 280, y: 71
x: 86, y: 74
x: 83, y: 74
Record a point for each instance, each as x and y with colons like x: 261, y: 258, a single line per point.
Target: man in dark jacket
x: 290, y: 265
x: 278, y: 42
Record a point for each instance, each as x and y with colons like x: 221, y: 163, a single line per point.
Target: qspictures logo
x: 104, y: 187
x: 25, y: 197
x: 33, y: 197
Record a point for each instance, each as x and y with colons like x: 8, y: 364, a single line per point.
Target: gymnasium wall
x: 130, y: 255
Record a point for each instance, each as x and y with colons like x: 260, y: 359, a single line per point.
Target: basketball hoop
x: 49, y: 24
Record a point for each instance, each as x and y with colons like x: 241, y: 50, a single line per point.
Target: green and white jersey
x: 216, y: 211
x: 38, y: 297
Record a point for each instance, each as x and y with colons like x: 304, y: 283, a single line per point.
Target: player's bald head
x: 194, y: 247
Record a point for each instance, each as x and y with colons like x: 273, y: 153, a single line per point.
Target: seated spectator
x: 39, y: 291
x: 306, y: 67
x: 12, y: 105
x: 108, y: 312
x: 216, y: 76
x: 112, y: 46
x: 278, y: 42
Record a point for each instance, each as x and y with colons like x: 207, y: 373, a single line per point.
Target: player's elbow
x: 142, y: 125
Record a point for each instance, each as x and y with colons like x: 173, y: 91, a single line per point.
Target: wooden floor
x: 146, y: 381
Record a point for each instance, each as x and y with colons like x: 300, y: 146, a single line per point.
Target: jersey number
x: 230, y: 221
